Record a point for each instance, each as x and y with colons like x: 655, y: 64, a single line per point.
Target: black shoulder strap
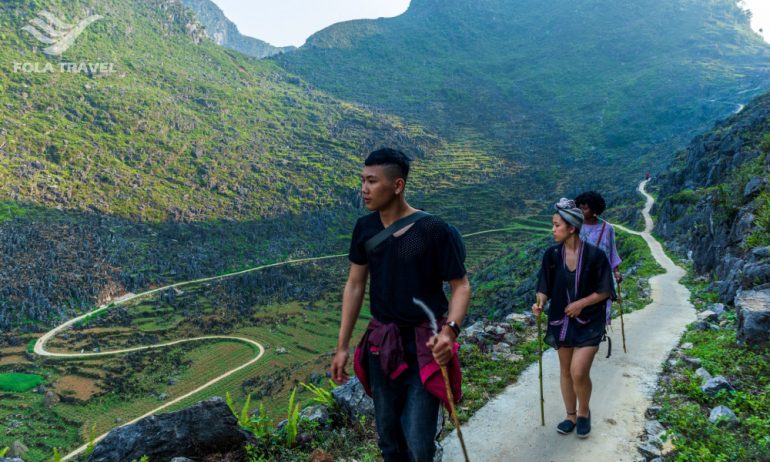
x: 380, y: 237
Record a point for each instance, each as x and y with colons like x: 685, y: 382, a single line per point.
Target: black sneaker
x: 565, y: 427
x: 583, y: 426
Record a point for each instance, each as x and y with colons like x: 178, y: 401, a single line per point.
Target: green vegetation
x: 587, y: 81
x: 685, y: 408
x: 16, y: 382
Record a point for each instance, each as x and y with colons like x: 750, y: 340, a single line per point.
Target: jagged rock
x: 501, y: 347
x: 162, y: 396
x: 686, y: 346
x: 475, y: 331
x: 703, y: 374
x: 723, y: 415
x: 353, y: 400
x: 318, y: 413
x: 652, y: 412
x: 208, y: 427
x: 17, y: 450
x: 509, y: 338
x: 753, y: 309
x: 280, y: 351
x: 524, y: 318
x: 718, y: 308
x: 496, y: 330
x: 753, y: 187
x: 755, y: 274
x: 708, y: 315
x: 10, y: 459
x: 648, y: 450
x: 701, y: 325
x: 715, y: 385
x: 50, y: 399
x: 761, y: 252
x: 692, y: 362
x: 654, y: 429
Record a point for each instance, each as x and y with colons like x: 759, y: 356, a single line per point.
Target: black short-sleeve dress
x: 563, y: 287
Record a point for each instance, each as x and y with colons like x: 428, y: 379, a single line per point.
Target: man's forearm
x: 458, y: 304
x: 352, y: 299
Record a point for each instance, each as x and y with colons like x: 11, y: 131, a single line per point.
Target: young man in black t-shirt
x: 412, y: 263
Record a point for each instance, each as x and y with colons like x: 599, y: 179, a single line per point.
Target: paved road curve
x: 508, y: 427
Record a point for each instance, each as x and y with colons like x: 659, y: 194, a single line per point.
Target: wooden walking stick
x: 540, y: 364
x: 622, y: 325
x: 445, y: 374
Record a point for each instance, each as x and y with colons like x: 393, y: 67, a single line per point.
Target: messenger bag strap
x: 380, y: 237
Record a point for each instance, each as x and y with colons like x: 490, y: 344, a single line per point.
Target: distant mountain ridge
x: 224, y: 32
x: 597, y: 81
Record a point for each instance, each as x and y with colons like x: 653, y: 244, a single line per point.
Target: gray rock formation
x: 208, y: 427
x: 353, y: 400
x: 715, y: 385
x: 753, y: 309
x: 723, y: 415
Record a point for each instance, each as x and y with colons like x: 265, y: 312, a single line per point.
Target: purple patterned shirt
x: 591, y: 234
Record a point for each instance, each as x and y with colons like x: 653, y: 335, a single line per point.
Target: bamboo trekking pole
x: 453, y: 412
x: 540, y: 364
x: 622, y: 324
x: 447, y: 385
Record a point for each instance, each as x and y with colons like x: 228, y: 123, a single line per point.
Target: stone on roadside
x: 686, y: 346
x: 8, y: 459
x: 501, y: 347
x: 280, y: 351
x: 692, y: 362
x: 654, y: 429
x: 723, y: 415
x: 652, y: 412
x: 703, y: 374
x: 753, y: 310
x: 648, y: 450
x: 708, y: 315
x: 718, y: 308
x: 715, y: 385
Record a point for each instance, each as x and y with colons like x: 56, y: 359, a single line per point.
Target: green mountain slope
x: 223, y: 32
x: 182, y: 129
x: 596, y: 79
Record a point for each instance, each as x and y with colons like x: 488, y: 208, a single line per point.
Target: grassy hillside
x: 612, y: 82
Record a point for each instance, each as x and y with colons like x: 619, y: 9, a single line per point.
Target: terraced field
x: 295, y: 321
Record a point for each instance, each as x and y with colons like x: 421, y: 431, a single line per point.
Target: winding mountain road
x: 40, y: 344
x: 508, y: 427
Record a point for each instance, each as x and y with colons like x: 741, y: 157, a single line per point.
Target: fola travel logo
x: 58, y: 36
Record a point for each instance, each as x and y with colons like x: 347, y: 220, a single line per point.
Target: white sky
x: 291, y: 22
x: 760, y: 11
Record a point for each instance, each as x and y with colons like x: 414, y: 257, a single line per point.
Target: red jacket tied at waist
x: 385, y: 339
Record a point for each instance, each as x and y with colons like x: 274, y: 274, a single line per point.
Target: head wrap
x: 567, y: 209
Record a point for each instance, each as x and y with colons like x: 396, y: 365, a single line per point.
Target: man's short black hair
x: 593, y: 200
x: 393, y: 158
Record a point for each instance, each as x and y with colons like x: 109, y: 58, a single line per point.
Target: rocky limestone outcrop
x: 753, y: 309
x: 206, y: 428
x: 710, y: 202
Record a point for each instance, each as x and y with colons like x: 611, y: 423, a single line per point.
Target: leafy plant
x: 321, y: 395
x: 56, y: 455
x: 261, y: 425
x: 4, y: 451
x: 91, y: 441
x: 292, y: 420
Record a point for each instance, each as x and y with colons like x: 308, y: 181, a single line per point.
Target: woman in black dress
x: 576, y: 277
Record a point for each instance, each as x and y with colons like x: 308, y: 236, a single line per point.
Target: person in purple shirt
x: 599, y: 233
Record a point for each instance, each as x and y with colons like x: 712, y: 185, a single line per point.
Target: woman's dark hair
x: 392, y: 158
x: 593, y: 200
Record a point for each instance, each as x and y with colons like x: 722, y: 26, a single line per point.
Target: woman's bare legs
x: 580, y: 370
x: 567, y: 386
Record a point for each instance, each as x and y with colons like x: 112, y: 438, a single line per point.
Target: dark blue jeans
x: 405, y: 413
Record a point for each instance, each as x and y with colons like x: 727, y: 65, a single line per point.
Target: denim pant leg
x: 389, y: 399
x: 406, y: 415
x: 420, y: 418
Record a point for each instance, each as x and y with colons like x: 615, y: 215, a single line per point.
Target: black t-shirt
x: 412, y: 265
